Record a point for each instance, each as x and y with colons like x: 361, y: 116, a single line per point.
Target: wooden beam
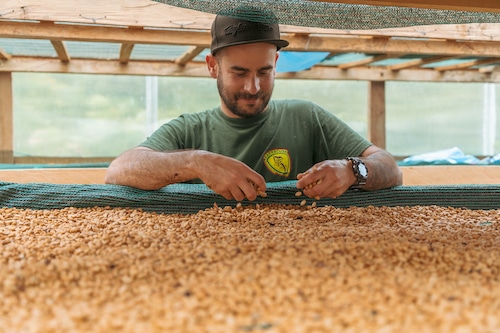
x: 125, y: 52
x: 298, y: 42
x: 376, y: 113
x: 64, y: 175
x: 488, y: 69
x: 468, y: 64
x: 59, y: 160
x: 450, y: 174
x: 89, y: 33
x: 199, y: 69
x: 61, y: 51
x: 4, y: 55
x: 126, y: 48
x: 367, y: 61
x: 140, y: 13
x: 461, y: 5
x: 412, y: 175
x: 147, y: 13
x: 6, y: 119
x: 189, y: 55
x: 379, y: 73
x: 392, y: 46
x: 101, y: 66
x: 463, y: 32
x: 419, y: 62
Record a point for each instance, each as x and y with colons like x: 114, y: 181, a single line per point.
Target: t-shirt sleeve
x: 338, y: 140
x: 168, y: 137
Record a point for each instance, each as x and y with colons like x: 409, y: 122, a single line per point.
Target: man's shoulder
x: 200, y: 115
x: 299, y: 106
x: 290, y: 103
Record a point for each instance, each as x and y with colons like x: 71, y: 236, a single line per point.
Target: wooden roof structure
x: 458, y: 53
x: 145, y: 37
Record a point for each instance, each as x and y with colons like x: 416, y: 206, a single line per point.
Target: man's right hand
x: 147, y: 169
x: 232, y: 179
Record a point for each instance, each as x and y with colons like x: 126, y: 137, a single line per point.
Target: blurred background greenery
x: 76, y: 115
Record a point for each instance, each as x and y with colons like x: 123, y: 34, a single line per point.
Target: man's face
x: 245, y: 78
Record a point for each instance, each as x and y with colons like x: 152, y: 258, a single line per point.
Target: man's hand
x: 327, y: 179
x: 331, y: 178
x: 147, y: 169
x: 229, y: 177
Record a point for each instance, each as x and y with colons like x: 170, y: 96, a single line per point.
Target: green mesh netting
x: 340, y: 16
x: 191, y: 198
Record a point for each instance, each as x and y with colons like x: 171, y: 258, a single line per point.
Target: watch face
x: 363, y: 171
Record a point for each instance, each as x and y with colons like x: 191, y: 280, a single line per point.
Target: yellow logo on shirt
x: 278, y: 161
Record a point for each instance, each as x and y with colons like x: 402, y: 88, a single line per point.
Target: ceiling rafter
x: 4, y: 55
x: 309, y: 42
x: 469, y: 64
x: 199, y: 69
x: 380, y: 73
x: 488, y: 69
x: 107, y: 34
x: 189, y: 55
x: 367, y: 60
x: 61, y: 50
x: 147, y: 13
x: 431, y: 44
x: 420, y: 62
x: 125, y: 52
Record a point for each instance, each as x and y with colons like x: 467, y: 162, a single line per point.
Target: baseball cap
x: 245, y: 26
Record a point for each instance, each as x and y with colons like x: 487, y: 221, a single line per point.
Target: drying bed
x: 250, y: 268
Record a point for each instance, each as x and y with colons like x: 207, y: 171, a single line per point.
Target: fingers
x: 232, y: 179
x: 246, y: 189
x: 260, y: 190
x: 313, y: 192
x: 310, y: 179
x: 324, y: 179
x: 241, y: 189
x: 249, y: 190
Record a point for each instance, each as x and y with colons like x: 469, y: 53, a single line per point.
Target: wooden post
x: 6, y: 119
x: 376, y: 113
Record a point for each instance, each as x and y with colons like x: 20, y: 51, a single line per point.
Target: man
x: 249, y: 140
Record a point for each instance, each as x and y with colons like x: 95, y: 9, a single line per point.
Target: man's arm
x: 147, y: 169
x: 331, y: 178
x: 383, y: 171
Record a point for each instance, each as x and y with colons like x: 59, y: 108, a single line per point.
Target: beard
x: 231, y: 101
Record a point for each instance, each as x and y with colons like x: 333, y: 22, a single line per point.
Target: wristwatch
x: 360, y: 171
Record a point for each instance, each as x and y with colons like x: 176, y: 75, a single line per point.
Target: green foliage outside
x: 103, y: 115
x: 423, y: 117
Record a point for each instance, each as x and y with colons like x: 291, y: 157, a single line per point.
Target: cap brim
x: 280, y: 43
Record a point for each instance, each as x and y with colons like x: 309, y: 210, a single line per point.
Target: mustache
x: 249, y: 96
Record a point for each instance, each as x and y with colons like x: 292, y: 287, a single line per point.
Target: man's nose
x: 252, y: 84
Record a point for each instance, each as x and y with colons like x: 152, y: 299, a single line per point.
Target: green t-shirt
x: 289, y: 138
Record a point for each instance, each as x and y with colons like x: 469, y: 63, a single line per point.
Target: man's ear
x: 211, y: 65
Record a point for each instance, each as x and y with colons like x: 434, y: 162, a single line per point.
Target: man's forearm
x: 149, y: 170
x: 383, y: 171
